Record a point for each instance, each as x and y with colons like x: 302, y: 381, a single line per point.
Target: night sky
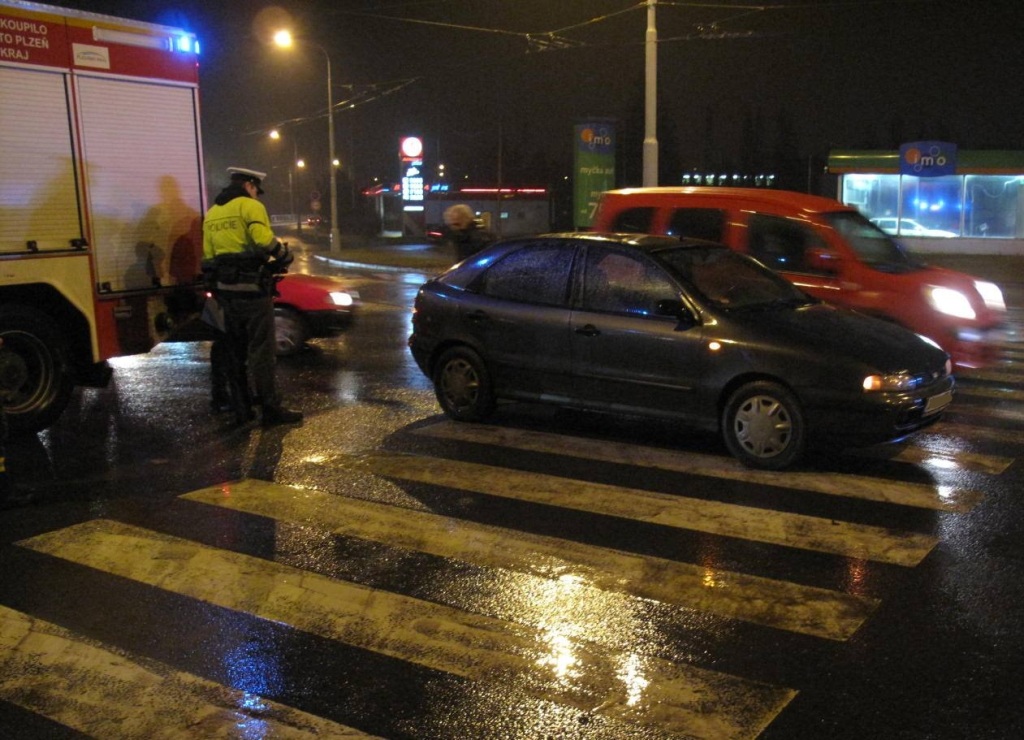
x: 740, y: 86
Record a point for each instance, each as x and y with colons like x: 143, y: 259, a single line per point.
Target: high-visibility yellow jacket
x: 239, y: 226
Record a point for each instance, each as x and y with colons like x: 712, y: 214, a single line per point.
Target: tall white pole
x: 335, y: 231
x: 651, y: 100
x: 291, y: 184
x: 283, y: 38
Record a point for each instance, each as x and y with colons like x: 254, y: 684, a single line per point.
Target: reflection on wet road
x: 382, y: 571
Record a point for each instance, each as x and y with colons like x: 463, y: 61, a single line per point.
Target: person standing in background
x: 465, y: 231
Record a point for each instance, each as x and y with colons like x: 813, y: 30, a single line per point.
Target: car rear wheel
x: 463, y: 385
x: 763, y: 426
x: 290, y: 330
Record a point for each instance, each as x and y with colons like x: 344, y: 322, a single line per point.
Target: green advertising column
x: 594, y: 167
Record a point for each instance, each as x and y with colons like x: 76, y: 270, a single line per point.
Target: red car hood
x: 309, y: 292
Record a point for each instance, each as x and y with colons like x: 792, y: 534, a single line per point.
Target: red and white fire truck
x: 101, y: 196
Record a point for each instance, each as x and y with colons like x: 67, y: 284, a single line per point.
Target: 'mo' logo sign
x: 928, y: 159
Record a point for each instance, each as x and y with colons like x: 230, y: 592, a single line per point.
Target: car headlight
x: 904, y: 381
x: 892, y: 382
x: 991, y: 294
x: 950, y: 302
x: 340, y: 298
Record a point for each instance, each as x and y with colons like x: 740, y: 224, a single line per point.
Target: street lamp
x: 285, y: 40
x: 276, y: 136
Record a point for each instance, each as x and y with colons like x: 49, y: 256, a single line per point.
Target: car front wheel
x: 290, y: 331
x: 763, y: 426
x: 463, y: 385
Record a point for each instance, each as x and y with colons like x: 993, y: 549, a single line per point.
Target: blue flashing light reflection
x: 188, y: 45
x: 483, y: 261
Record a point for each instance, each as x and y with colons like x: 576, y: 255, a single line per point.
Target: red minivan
x: 828, y: 249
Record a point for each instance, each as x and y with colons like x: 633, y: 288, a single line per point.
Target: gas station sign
x: 411, y: 162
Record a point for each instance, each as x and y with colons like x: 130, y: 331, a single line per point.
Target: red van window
x: 698, y: 223
x: 781, y: 243
x: 634, y: 221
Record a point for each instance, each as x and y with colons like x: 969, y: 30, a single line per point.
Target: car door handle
x: 588, y: 330
x: 477, y: 316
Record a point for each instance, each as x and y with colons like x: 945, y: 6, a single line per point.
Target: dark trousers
x: 250, y: 335
x: 229, y: 375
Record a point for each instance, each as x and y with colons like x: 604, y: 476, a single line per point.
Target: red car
x: 307, y: 306
x: 311, y: 306
x: 828, y: 250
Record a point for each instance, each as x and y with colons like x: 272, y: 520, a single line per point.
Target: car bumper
x: 879, y: 417
x: 976, y: 348
x: 421, y: 354
x: 330, y: 322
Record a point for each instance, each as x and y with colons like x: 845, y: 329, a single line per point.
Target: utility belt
x: 240, y: 277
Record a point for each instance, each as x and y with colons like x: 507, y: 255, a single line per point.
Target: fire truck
x: 101, y: 197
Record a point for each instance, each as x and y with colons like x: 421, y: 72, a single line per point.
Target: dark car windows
x: 623, y: 283
x: 872, y: 245
x: 634, y: 221
x: 698, y: 223
x: 729, y: 279
x: 534, y: 274
x: 781, y: 243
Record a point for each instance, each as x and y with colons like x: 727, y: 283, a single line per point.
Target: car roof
x: 645, y: 242
x: 665, y: 195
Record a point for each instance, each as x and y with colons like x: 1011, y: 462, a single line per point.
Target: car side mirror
x: 823, y: 260
x: 676, y: 309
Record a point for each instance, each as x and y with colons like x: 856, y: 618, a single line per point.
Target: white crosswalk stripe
x: 765, y: 601
x: 112, y: 695
x: 678, y: 698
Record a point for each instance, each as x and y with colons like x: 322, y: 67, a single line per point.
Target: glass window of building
x: 992, y: 206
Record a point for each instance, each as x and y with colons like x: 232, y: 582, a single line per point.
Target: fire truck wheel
x: 35, y: 375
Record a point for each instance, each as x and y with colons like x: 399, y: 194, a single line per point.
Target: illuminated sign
x: 594, y: 167
x: 411, y: 162
x: 412, y: 148
x: 928, y: 159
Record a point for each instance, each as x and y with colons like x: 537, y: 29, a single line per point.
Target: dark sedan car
x: 685, y: 330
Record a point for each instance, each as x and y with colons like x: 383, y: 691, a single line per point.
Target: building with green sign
x: 974, y: 205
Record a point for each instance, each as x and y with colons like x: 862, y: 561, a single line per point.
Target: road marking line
x: 919, y: 454
x: 987, y: 412
x: 546, y: 663
x: 942, y: 498
x: 90, y: 688
x: 1009, y: 374
x: 1001, y: 394
x: 970, y: 432
x: 714, y: 517
x: 773, y: 603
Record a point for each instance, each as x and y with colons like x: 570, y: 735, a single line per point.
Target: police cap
x: 241, y: 174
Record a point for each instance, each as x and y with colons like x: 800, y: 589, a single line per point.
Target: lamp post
x: 650, y: 153
x: 284, y: 39
x: 276, y: 136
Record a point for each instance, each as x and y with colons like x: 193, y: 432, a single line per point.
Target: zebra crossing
x: 544, y: 633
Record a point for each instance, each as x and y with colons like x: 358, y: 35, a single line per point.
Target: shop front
x: 938, y: 199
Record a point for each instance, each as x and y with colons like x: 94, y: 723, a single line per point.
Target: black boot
x: 274, y: 415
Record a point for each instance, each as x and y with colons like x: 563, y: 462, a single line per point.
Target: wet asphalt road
x: 379, y: 570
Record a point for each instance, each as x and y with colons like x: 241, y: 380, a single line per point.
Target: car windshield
x: 730, y: 280
x: 873, y: 246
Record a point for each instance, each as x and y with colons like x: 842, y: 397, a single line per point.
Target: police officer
x: 241, y: 256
